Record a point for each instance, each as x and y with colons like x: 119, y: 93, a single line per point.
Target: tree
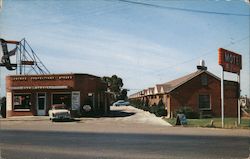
x: 123, y: 95
x: 115, y: 85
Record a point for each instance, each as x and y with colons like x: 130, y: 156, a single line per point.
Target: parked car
x: 121, y: 103
x: 59, y: 112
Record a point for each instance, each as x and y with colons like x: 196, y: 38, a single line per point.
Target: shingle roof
x: 171, y: 85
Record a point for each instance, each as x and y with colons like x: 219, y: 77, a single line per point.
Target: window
x: 22, y: 102
x: 204, y: 102
x: 62, y: 98
x: 204, y: 80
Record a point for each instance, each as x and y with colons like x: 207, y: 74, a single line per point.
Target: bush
x: 158, y: 110
x: 189, y: 113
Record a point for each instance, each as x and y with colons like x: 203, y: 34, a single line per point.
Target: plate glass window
x: 22, y: 101
x: 62, y: 98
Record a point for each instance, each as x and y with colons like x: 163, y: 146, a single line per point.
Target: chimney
x: 201, y: 66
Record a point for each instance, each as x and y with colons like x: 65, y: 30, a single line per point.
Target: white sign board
x: 76, y: 100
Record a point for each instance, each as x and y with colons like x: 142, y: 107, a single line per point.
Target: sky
x: 145, y: 43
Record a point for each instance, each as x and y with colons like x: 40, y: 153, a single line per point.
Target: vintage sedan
x: 59, y: 112
x: 121, y: 103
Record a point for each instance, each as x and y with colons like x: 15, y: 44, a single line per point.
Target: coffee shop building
x: 33, y: 95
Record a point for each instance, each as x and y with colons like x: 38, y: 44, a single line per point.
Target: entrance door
x: 41, y: 103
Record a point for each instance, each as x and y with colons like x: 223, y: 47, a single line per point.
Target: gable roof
x: 157, y: 88
x: 171, y: 85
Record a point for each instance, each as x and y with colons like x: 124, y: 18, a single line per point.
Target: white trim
x: 9, y: 101
x: 21, y: 110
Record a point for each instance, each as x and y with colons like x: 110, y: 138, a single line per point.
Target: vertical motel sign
x: 230, y: 62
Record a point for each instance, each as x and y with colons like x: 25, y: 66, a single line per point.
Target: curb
x: 25, y: 118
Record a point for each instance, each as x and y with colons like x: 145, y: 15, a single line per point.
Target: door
x: 41, y: 104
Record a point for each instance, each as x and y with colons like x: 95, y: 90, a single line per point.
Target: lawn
x: 228, y: 123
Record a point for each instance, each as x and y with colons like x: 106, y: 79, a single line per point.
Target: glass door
x: 41, y: 104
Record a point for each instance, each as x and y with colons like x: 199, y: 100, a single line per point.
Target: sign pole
x: 239, y: 111
x: 222, y: 97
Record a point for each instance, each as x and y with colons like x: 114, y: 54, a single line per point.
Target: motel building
x: 33, y: 95
x: 199, y: 90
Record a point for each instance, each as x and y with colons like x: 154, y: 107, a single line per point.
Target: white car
x: 121, y: 103
x: 59, y: 112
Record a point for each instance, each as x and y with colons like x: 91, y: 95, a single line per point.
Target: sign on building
x: 230, y: 61
x: 75, y: 100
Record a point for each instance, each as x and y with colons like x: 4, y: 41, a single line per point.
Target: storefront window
x: 22, y: 101
x: 64, y: 98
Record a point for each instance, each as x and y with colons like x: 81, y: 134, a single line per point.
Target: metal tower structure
x: 26, y: 60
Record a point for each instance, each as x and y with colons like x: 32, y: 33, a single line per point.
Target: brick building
x: 34, y: 94
x: 199, y: 90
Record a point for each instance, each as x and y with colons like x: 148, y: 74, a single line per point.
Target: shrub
x: 159, y: 109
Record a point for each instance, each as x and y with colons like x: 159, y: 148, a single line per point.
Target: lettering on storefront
x: 19, y: 78
x: 38, y: 87
x: 65, y: 77
x: 43, y: 78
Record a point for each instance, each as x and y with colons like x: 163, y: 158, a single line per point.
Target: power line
x: 205, y: 54
x: 184, y: 9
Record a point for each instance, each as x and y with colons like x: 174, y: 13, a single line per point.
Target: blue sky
x: 144, y: 45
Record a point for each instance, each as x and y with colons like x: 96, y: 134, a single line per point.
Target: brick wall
x: 72, y: 82
x: 188, y: 95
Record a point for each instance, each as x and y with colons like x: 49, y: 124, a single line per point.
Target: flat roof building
x: 34, y: 94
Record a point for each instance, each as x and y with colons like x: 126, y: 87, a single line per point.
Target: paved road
x: 127, y: 133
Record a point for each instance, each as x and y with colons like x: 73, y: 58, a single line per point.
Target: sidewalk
x: 25, y: 118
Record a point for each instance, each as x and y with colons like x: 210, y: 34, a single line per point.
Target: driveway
x: 129, y: 114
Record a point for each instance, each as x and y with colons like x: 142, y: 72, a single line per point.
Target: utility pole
x: 222, y: 97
